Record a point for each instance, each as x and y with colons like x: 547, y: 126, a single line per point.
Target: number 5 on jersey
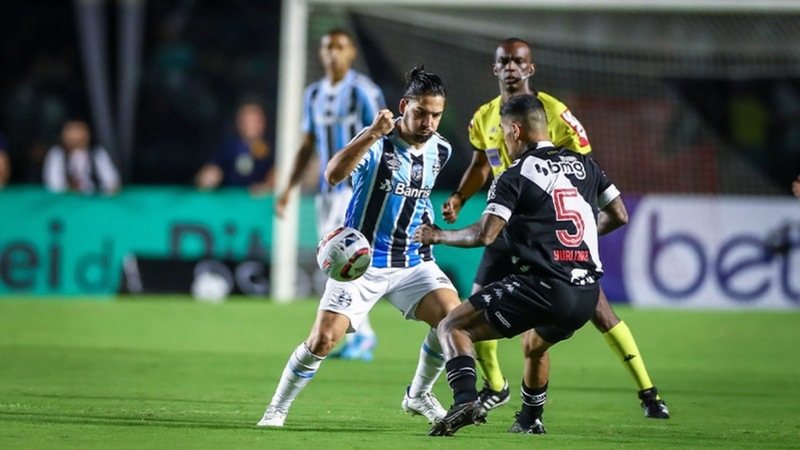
x: 564, y: 213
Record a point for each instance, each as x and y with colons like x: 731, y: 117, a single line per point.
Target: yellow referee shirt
x: 486, y: 135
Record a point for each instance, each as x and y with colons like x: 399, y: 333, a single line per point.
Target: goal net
x: 673, y: 101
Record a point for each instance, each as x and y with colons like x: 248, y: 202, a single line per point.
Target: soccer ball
x: 344, y: 254
x: 210, y: 287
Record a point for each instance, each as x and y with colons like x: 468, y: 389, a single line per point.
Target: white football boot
x: 424, y: 405
x: 273, y: 417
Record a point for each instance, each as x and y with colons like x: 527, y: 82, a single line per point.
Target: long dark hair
x: 420, y: 82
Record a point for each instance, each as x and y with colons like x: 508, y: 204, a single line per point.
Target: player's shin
x: 430, y: 365
x: 299, y: 370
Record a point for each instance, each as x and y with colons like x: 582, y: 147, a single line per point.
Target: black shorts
x: 495, y: 263
x: 553, y: 307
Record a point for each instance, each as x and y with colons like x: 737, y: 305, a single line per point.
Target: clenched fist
x: 451, y: 207
x: 383, y: 123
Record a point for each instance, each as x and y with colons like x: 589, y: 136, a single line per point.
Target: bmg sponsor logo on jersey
x: 412, y: 192
x: 568, y: 165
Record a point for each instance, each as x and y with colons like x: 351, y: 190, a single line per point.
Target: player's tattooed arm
x: 479, y: 234
x: 612, y: 216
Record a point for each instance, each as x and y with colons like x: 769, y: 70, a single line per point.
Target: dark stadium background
x: 200, y: 58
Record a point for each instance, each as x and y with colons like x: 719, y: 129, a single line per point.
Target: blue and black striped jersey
x: 392, y: 186
x: 335, y: 113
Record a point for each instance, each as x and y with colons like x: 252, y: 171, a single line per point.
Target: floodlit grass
x: 171, y: 373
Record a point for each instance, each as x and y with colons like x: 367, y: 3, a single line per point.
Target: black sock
x: 649, y: 395
x: 461, y: 377
x: 533, y: 401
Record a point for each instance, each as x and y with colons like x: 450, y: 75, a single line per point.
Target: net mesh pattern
x: 705, y: 103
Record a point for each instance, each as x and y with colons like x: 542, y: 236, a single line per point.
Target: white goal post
x: 292, y: 80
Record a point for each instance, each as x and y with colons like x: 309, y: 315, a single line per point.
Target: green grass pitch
x: 171, y: 373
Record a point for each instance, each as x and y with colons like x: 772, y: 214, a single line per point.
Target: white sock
x: 430, y: 365
x: 299, y: 370
x: 365, y: 329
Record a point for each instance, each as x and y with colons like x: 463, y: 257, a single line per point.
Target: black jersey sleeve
x: 606, y: 190
x: 503, y: 194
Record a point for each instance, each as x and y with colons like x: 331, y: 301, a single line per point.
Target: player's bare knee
x: 533, y: 349
x: 533, y: 346
x: 435, y: 306
x: 321, y: 342
x: 443, y: 311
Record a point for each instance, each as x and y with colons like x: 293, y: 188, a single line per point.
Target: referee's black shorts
x: 553, y: 307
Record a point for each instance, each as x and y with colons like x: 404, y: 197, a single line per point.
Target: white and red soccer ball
x: 344, y: 254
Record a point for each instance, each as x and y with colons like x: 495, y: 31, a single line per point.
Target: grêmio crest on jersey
x: 416, y: 172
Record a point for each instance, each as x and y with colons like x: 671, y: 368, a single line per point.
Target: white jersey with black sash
x: 550, y: 197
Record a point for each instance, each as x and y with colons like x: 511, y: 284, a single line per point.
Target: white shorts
x: 404, y: 288
x: 331, y: 209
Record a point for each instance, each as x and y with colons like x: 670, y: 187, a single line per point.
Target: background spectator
x: 77, y: 166
x: 246, y: 159
x: 5, y: 166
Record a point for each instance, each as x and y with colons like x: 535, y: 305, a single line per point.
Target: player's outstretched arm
x: 612, y: 216
x: 479, y: 234
x: 345, y: 160
x: 301, y: 161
